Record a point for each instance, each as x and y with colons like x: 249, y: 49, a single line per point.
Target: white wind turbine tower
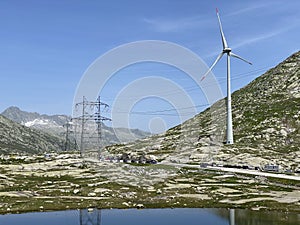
x: 226, y: 50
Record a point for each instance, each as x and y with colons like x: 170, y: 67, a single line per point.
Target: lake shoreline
x: 143, y: 206
x: 134, y: 208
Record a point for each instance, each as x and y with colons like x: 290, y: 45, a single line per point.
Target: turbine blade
x: 224, y: 42
x: 239, y: 57
x: 212, y: 66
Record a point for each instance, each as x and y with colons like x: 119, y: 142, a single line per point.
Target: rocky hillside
x: 267, y: 110
x: 266, y: 126
x: 15, y: 137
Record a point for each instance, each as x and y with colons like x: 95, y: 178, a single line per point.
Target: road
x: 241, y: 171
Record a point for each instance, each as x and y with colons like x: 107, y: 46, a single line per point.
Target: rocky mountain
x: 15, y: 137
x: 51, y: 124
x: 266, y: 124
x: 55, y: 125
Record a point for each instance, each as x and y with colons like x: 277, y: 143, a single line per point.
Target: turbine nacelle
x: 226, y: 50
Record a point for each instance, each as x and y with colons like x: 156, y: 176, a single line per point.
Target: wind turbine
x: 226, y: 50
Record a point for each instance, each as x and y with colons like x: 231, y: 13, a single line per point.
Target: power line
x: 188, y: 89
x: 162, y: 112
x: 196, y: 87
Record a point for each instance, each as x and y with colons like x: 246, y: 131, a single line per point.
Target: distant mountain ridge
x: 51, y: 124
x: 54, y: 125
x: 16, y: 114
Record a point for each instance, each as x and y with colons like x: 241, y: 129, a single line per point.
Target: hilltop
x: 265, y: 119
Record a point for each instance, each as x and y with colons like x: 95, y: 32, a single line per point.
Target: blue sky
x: 47, y: 46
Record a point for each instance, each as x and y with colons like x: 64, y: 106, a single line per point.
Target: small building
x: 271, y: 168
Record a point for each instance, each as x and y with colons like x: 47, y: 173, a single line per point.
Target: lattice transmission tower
x: 88, y: 127
x: 70, y: 141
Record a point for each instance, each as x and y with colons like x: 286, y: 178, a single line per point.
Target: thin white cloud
x: 176, y: 25
x: 258, y: 38
x: 265, y: 36
x: 250, y: 8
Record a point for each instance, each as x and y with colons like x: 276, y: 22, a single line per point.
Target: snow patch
x: 37, y: 122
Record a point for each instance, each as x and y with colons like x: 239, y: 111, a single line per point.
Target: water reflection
x: 231, y: 217
x: 154, y: 216
x: 93, y: 217
x: 264, y: 217
x: 90, y: 217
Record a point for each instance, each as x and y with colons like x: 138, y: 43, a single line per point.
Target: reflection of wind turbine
x: 226, y: 50
x: 231, y: 217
